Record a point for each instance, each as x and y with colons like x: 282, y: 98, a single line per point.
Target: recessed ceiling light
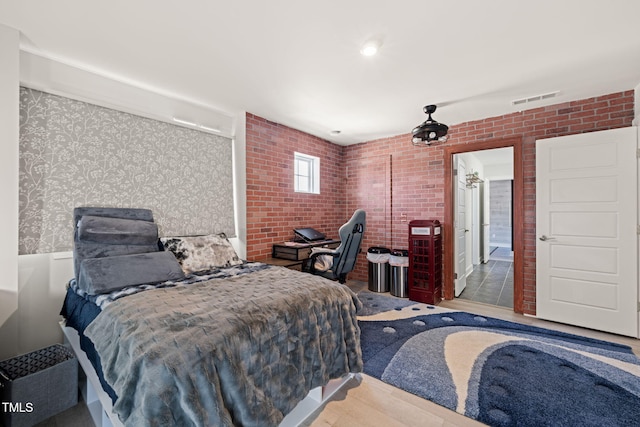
x: 335, y: 132
x: 370, y: 48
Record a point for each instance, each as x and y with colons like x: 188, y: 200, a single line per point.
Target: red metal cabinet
x: 425, y: 261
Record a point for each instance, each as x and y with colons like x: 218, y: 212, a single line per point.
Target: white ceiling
x: 495, y: 156
x: 297, y: 62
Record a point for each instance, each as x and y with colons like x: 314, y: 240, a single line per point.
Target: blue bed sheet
x: 79, y: 312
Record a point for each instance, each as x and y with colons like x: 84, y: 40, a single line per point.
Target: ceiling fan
x: 429, y: 130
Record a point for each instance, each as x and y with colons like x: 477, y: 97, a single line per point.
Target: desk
x: 300, y: 251
x: 293, y: 255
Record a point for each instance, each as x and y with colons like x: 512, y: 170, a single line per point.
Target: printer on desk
x: 300, y: 248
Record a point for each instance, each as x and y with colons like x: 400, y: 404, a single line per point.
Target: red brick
x: 416, y: 173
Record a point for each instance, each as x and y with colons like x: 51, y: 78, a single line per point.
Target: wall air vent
x: 535, y: 98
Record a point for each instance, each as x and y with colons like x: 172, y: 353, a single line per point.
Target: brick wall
x: 273, y: 208
x: 416, y: 178
x: 415, y: 190
x: 394, y: 180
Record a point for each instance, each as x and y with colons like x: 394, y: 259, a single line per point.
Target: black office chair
x: 334, y: 264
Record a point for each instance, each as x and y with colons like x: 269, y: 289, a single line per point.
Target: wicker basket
x: 38, y: 385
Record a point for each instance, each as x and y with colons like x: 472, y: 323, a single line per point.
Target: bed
x: 239, y: 344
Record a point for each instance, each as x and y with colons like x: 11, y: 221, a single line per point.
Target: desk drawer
x: 288, y: 252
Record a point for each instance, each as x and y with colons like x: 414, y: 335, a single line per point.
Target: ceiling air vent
x: 535, y: 98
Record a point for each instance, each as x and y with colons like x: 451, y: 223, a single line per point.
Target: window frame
x: 312, y: 177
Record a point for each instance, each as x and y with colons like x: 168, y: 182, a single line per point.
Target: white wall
x: 33, y: 286
x: 42, y: 279
x: 240, y: 184
x: 498, y: 172
x: 9, y: 128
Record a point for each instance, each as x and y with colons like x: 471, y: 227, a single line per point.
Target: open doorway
x: 449, y: 232
x: 483, y: 224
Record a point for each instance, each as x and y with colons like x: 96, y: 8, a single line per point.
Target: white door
x: 460, y: 228
x: 586, y: 224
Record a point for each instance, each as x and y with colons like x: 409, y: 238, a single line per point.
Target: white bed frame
x: 100, y: 407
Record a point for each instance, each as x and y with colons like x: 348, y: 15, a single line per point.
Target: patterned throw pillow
x: 199, y: 253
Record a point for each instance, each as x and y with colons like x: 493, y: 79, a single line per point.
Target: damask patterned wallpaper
x: 78, y: 154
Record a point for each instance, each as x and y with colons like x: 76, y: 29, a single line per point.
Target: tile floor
x: 492, y: 283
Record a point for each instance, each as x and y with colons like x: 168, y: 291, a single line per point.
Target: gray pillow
x: 116, y: 231
x: 103, y: 275
x: 87, y: 250
x: 128, y: 213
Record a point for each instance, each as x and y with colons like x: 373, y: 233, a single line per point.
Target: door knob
x: 545, y: 238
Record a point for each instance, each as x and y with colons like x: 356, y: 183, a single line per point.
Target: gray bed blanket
x: 237, y: 351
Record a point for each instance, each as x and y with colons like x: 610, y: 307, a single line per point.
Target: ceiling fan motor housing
x: 430, y: 130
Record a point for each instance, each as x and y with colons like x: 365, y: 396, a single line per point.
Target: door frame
x: 518, y: 215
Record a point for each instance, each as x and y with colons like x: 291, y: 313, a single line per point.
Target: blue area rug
x: 501, y: 373
x: 373, y: 302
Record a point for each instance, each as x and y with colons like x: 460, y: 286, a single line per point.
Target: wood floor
x: 374, y: 403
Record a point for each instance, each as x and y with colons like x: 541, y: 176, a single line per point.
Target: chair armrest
x: 316, y: 252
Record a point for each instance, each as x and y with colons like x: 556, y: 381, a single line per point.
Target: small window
x: 306, y: 173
